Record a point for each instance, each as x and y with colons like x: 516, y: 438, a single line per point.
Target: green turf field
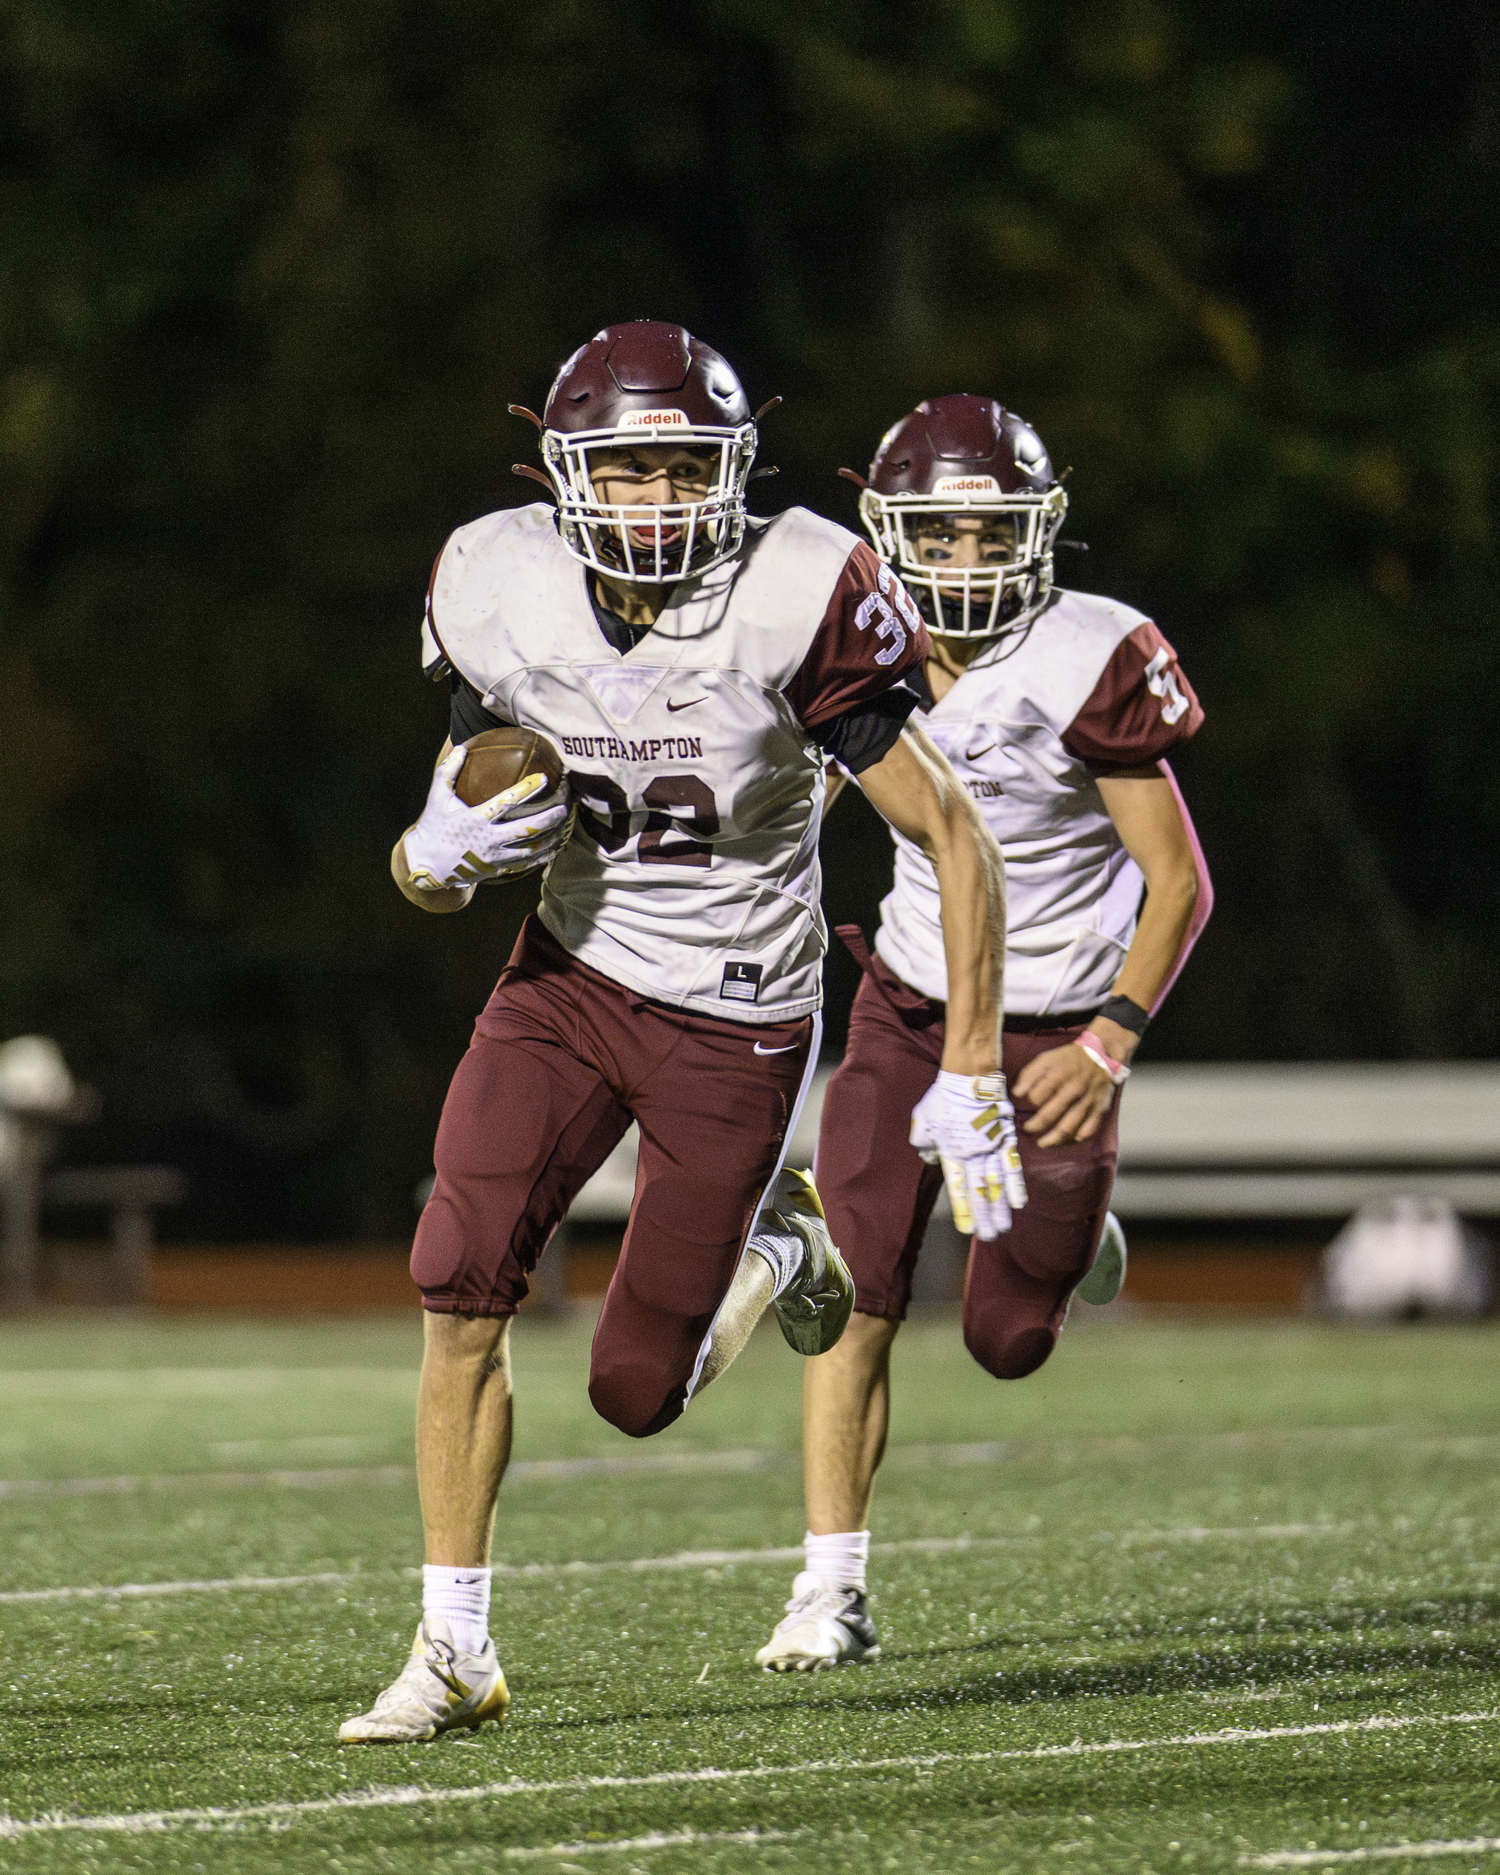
x: 1195, y: 1597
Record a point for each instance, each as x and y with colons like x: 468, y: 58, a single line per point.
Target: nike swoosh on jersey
x: 674, y: 707
x: 973, y: 755
x: 777, y: 1051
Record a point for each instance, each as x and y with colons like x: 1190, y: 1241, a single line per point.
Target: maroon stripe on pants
x: 879, y: 1194
x: 562, y: 1060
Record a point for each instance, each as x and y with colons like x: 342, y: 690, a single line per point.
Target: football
x: 498, y: 758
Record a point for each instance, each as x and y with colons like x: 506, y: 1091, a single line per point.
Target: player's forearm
x: 1165, y: 920
x: 444, y: 898
x: 1152, y: 820
x: 971, y: 893
x: 913, y: 787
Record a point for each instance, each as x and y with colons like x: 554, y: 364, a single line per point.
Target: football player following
x: 1055, y: 709
x: 671, y: 974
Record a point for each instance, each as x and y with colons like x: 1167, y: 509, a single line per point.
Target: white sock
x: 462, y: 1598
x: 839, y: 1560
x: 782, y: 1253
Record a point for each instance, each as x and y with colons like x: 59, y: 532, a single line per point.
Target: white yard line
x: 1195, y: 1534
x: 621, y: 1465
x: 213, y: 1585
x: 523, y: 1471
x: 408, y: 1796
x: 137, y: 1383
x: 678, y: 1839
x: 1384, y: 1852
x: 641, y: 1565
x: 24, y: 1488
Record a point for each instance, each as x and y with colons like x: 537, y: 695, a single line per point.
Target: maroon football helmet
x: 958, y: 458
x: 648, y: 383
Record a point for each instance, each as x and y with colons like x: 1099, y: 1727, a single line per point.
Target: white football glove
x: 967, y: 1124
x: 454, y: 844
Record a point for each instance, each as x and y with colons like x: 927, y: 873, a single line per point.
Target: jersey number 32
x: 673, y: 804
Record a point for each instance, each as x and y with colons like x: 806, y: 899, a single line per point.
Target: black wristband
x: 1129, y: 1015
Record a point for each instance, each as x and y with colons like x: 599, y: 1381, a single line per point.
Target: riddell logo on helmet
x: 966, y: 485
x: 654, y: 420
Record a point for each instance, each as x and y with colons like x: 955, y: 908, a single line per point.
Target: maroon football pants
x: 879, y: 1194
x: 562, y: 1060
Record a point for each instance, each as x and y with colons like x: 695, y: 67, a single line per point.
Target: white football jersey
x: 1091, y: 682
x: 692, y: 874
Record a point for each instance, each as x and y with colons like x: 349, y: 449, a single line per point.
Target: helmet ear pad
x: 969, y: 456
x: 650, y: 384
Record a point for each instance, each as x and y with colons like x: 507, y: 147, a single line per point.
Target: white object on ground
x: 1408, y: 1255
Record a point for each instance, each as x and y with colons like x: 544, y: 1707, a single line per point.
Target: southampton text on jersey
x: 612, y: 749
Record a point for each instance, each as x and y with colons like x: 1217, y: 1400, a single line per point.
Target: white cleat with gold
x: 824, y: 1626
x: 815, y: 1292
x: 440, y: 1689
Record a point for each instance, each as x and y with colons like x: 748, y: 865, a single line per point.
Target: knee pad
x: 633, y: 1404
x: 1010, y: 1356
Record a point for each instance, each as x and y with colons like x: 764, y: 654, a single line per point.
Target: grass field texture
x: 1196, y: 1596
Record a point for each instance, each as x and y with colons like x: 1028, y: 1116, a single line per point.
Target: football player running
x: 1055, y: 709
x: 696, y: 668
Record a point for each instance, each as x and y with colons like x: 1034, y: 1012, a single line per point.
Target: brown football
x: 498, y: 758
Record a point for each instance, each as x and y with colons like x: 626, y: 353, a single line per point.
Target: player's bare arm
x: 915, y: 789
x: 1069, y: 1088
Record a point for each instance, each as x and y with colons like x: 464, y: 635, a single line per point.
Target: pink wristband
x: 1096, y: 1051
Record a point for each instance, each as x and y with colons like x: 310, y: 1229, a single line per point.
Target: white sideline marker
x: 1384, y: 1852
x: 408, y: 1796
x: 633, y: 1565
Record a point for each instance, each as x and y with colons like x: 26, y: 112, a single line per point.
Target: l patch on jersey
x: 741, y: 983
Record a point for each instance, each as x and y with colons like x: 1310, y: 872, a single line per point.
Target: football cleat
x: 440, y: 1689
x: 1106, y: 1277
x: 815, y: 1290
x: 823, y: 1627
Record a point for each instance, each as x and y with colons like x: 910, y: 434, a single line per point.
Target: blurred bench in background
x: 132, y: 1195
x: 1315, y: 1140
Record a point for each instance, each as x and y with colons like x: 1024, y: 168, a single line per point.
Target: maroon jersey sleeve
x: 1140, y: 709
x: 867, y: 640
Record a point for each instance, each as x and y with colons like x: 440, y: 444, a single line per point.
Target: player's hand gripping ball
x: 498, y: 806
x: 966, y: 1123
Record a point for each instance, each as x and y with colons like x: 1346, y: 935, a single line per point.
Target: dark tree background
x: 273, y: 273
